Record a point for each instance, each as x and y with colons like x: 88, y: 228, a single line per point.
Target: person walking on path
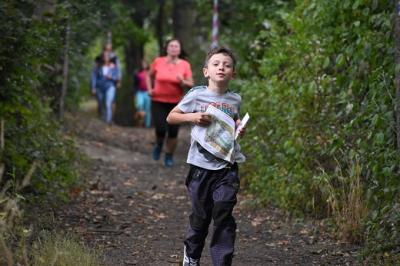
x: 142, y: 98
x: 169, y: 75
x: 104, y: 80
x: 212, y: 183
x: 114, y: 59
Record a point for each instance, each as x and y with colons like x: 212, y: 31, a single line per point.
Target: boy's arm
x: 176, y: 116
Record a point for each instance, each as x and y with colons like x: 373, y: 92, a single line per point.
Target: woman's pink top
x: 167, y: 87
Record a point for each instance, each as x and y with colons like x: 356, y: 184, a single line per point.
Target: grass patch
x: 344, y: 195
x: 56, y: 250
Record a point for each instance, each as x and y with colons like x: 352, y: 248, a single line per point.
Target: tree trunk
x: 65, y: 70
x: 184, y: 16
x: 2, y: 166
x: 124, y: 114
x: 397, y: 81
x: 194, y: 31
x: 125, y: 109
x: 159, y: 26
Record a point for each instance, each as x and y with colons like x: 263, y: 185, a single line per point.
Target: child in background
x: 212, y: 182
x: 143, y: 101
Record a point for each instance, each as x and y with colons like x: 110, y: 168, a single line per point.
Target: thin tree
x: 159, y: 25
x: 397, y: 70
x: 133, y: 54
x: 65, y: 70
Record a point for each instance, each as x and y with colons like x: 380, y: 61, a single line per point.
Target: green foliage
x: 124, y: 28
x: 38, y: 159
x: 29, y: 136
x: 31, y: 58
x: 319, y: 89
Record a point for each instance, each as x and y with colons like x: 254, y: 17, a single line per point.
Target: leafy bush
x: 37, y: 161
x: 321, y: 95
x: 31, y: 54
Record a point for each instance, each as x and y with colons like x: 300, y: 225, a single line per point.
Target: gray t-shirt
x: 197, y: 100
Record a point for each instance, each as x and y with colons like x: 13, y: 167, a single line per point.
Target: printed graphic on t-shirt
x: 224, y: 107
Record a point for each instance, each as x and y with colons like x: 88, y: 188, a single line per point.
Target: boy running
x: 212, y: 182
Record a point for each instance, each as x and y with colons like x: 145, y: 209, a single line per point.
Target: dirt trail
x: 136, y: 210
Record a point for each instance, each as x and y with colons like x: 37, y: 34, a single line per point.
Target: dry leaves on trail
x: 137, y: 210
x: 159, y: 196
x: 257, y: 221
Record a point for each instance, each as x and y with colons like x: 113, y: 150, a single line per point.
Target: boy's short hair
x: 220, y: 50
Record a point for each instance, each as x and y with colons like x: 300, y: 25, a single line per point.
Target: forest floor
x: 136, y: 211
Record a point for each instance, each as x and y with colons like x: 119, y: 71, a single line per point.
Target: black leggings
x: 159, y: 113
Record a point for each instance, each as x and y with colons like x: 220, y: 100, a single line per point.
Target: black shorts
x: 160, y: 112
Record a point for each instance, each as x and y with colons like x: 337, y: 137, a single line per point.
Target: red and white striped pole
x: 215, y: 25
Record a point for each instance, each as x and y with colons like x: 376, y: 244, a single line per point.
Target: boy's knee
x: 199, y: 223
x: 222, y: 213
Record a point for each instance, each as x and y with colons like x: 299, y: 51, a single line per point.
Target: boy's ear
x: 205, y: 72
x: 234, y: 74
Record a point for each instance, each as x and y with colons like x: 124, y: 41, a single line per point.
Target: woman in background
x: 168, y: 76
x: 104, y: 79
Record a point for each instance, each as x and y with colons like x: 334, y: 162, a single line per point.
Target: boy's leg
x: 198, y: 182
x: 224, y: 196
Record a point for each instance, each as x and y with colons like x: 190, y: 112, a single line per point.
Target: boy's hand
x: 242, y: 131
x: 201, y: 119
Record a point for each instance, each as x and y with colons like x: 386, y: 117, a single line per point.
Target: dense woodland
x: 316, y: 77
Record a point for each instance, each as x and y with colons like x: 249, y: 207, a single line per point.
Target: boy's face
x: 219, y: 68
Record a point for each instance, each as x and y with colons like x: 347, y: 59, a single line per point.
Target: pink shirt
x: 141, y: 76
x: 167, y: 88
